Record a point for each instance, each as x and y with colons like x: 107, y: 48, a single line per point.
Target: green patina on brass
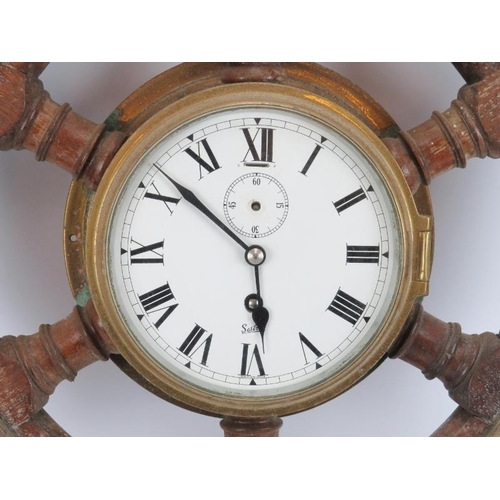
x: 83, y: 296
x: 113, y: 121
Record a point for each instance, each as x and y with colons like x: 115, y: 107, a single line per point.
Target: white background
x: 396, y: 400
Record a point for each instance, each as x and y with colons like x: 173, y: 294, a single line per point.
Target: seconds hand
x: 254, y: 255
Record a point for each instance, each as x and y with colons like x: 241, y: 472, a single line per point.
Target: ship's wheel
x: 394, y: 399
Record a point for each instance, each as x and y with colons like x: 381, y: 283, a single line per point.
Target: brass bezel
x: 415, y: 251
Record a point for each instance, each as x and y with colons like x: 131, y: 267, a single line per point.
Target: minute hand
x: 193, y: 199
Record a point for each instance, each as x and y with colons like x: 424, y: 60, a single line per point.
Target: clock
x: 254, y: 249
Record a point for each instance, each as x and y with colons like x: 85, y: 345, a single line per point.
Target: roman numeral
x: 167, y: 200
x: 309, y: 162
x: 357, y: 254
x: 167, y: 312
x: 305, y: 343
x: 266, y: 145
x: 193, y: 343
x: 152, y: 300
x: 154, y: 256
x: 347, y: 307
x: 156, y: 297
x: 209, y: 167
x: 350, y: 200
x: 246, y: 364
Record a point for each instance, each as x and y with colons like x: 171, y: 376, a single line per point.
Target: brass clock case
x: 194, y: 91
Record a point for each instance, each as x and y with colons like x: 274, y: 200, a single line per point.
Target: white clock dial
x: 269, y: 177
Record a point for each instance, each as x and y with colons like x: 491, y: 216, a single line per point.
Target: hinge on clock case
x: 423, y: 255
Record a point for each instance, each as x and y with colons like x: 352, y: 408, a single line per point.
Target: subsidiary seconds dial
x: 256, y: 205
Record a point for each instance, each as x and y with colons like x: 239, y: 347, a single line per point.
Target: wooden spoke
x: 32, y: 366
x: 463, y: 424
x: 30, y: 119
x: 473, y: 72
x: 30, y: 68
x: 468, y: 366
x: 251, y: 427
x: 470, y: 128
x: 40, y: 425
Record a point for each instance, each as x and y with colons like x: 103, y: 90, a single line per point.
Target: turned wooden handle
x: 32, y: 366
x: 33, y: 68
x: 470, y: 128
x: 468, y: 365
x: 473, y: 72
x: 462, y: 424
x: 30, y: 119
x: 251, y: 427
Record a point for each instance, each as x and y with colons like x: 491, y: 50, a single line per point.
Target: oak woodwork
x: 32, y: 366
x: 251, y: 427
x: 30, y: 119
x: 470, y: 128
x: 468, y: 365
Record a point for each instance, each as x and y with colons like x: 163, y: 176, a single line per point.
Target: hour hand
x: 260, y: 315
x: 190, y: 197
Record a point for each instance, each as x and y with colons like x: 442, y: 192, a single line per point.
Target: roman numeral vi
x: 246, y: 363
